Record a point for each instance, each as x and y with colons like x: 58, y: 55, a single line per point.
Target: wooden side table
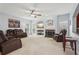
x: 73, y: 41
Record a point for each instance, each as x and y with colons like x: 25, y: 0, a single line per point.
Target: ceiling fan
x: 34, y: 12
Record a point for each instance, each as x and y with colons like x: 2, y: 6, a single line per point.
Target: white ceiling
x: 46, y: 9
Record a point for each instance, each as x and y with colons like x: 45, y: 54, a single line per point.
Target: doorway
x: 77, y: 24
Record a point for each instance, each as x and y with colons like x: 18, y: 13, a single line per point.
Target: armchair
x: 59, y: 37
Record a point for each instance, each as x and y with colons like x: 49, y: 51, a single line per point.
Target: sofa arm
x: 10, y: 45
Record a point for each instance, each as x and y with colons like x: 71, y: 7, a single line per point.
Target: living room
x: 34, y: 28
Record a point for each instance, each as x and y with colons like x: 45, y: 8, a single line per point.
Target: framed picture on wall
x: 13, y: 23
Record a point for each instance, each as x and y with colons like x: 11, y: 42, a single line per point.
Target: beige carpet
x: 41, y: 46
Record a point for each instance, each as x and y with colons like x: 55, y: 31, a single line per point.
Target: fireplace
x: 40, y: 32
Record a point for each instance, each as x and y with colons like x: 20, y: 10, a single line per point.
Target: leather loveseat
x: 59, y: 37
x: 17, y: 33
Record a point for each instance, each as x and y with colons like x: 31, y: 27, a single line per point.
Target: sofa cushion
x: 9, y: 32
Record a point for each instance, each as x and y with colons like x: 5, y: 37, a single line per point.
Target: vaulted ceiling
x: 45, y: 9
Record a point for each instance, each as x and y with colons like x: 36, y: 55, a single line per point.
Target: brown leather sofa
x: 17, y: 33
x: 8, y: 44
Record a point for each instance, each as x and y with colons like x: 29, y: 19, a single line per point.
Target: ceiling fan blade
x: 37, y: 14
x: 32, y: 11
